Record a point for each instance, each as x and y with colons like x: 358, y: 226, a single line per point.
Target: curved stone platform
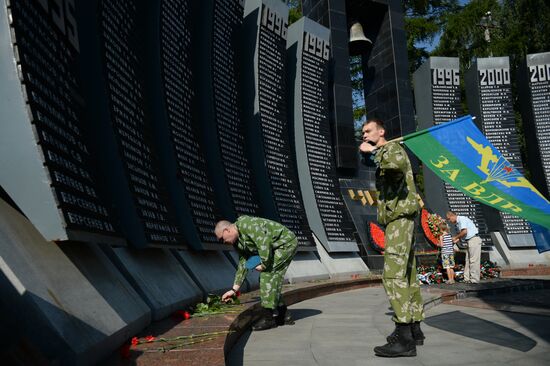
x: 214, y: 351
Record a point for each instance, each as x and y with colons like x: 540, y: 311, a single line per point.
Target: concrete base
x: 306, y: 266
x: 212, y: 271
x: 158, y: 278
x: 65, y: 317
x: 516, y: 258
x: 252, y: 278
x: 92, y: 262
x: 341, y: 265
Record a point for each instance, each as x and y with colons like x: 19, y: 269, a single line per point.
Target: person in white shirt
x: 468, y: 231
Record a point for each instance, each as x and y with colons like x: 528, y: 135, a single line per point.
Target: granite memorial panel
x: 308, y: 47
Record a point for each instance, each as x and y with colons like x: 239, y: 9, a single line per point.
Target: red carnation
x: 237, y: 293
x: 150, y: 338
x: 135, y: 341
x: 186, y: 315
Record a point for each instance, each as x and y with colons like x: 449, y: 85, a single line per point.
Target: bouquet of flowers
x: 489, y: 270
x: 430, y: 226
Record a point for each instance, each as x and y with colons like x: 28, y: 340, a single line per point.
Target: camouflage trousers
x: 399, y: 277
x: 271, y: 281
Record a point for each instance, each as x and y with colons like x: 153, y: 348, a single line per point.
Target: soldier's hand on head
x: 365, y: 147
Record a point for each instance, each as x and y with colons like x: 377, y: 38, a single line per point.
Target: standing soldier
x: 276, y: 246
x: 397, y: 209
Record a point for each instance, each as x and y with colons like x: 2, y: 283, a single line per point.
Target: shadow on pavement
x: 298, y: 314
x: 236, y: 356
x: 470, y: 326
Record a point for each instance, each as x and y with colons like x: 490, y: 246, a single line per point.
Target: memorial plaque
x: 265, y: 92
x: 489, y: 93
x: 122, y: 61
x: 54, y: 182
x: 437, y: 94
x: 225, y: 23
x: 309, y: 56
x: 534, y: 85
x: 189, y: 182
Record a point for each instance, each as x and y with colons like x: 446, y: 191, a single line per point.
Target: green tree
x: 463, y: 34
x: 525, y: 28
x: 424, y: 20
x: 295, y: 11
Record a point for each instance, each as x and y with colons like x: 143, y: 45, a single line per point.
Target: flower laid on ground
x: 489, y: 270
x: 213, y: 306
x: 376, y: 236
x: 181, y: 315
x: 169, y: 344
x: 430, y: 225
x: 434, y: 274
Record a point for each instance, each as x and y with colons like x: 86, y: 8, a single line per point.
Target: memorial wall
x: 265, y: 108
x: 489, y: 96
x: 47, y: 164
x: 308, y: 47
x: 227, y: 18
x: 148, y: 217
x: 177, y: 129
x: 143, y: 123
x: 534, y: 93
x: 437, y: 95
x: 332, y: 14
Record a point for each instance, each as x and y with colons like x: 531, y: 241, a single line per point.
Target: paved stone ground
x: 342, y: 330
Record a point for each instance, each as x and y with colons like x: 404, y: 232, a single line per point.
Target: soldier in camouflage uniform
x: 276, y: 246
x: 397, y: 209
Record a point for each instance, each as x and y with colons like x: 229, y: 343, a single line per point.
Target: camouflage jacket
x: 395, y: 184
x: 258, y: 236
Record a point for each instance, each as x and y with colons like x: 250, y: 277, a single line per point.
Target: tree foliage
x: 424, y: 20
x: 295, y: 10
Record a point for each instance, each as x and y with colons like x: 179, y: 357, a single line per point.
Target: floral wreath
x: 376, y: 236
x: 430, y: 226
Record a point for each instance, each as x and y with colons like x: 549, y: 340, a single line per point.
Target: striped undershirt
x: 447, y: 247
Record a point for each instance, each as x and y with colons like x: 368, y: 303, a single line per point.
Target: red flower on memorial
x: 150, y: 338
x: 237, y: 293
x: 135, y: 341
x: 376, y: 236
x: 181, y: 314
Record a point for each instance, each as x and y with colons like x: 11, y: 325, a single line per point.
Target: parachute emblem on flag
x: 500, y: 171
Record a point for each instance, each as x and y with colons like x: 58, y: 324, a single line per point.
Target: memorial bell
x: 358, y: 43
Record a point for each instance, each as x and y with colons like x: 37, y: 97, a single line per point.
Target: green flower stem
x: 166, y: 349
x: 191, y: 336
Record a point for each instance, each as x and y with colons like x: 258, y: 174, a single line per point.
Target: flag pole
x: 397, y: 139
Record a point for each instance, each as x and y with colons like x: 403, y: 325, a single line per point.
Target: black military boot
x: 283, y: 316
x: 403, y: 345
x: 417, y: 334
x: 267, y: 321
